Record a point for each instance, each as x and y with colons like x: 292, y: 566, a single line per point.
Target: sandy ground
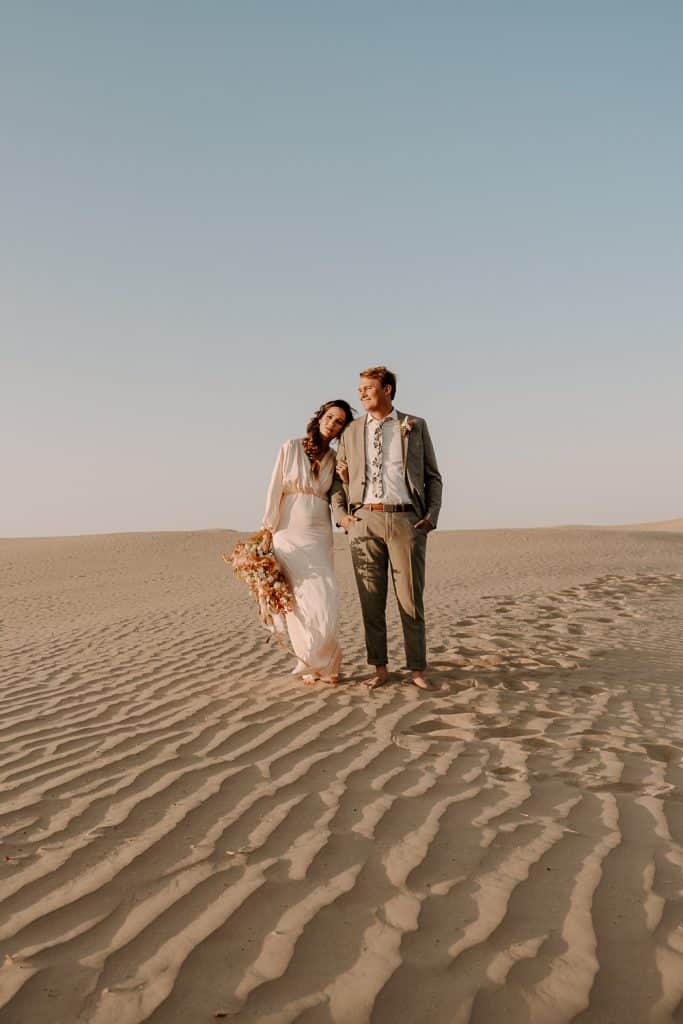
x: 187, y: 834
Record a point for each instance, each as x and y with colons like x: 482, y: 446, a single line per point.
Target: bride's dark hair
x: 314, y: 445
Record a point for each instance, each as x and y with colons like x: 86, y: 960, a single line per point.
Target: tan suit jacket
x: 421, y: 472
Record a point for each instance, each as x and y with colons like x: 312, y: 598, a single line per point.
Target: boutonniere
x: 406, y: 426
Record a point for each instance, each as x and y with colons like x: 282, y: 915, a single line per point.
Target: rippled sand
x: 188, y: 834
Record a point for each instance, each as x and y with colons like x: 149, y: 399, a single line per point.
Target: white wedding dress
x: 298, y: 515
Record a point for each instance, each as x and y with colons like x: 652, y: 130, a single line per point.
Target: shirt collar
x: 393, y: 415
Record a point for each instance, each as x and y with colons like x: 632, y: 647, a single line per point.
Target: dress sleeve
x: 271, y: 514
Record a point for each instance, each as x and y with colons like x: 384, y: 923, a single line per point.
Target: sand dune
x: 666, y: 525
x: 188, y: 835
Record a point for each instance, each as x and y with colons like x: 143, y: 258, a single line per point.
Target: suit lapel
x: 361, y: 443
x: 405, y: 434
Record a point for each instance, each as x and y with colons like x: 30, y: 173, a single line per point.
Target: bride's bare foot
x: 332, y: 680
x: 310, y: 680
x: 419, y: 679
x: 380, y: 677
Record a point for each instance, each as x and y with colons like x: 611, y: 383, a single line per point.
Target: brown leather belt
x: 389, y: 508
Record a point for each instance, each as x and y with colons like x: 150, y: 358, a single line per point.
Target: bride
x: 299, y: 530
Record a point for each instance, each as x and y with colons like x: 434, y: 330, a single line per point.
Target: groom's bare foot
x: 419, y: 679
x: 380, y: 677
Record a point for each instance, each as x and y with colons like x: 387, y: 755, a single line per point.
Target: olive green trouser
x: 383, y: 541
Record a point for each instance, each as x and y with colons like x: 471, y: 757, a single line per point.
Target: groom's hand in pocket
x: 424, y: 525
x: 346, y: 522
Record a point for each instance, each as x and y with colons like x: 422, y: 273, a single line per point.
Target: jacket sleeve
x: 338, y: 491
x: 432, y: 478
x: 271, y: 514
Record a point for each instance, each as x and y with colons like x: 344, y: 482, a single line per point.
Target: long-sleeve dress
x: 298, y: 515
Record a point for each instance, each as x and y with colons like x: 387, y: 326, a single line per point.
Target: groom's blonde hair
x: 383, y: 375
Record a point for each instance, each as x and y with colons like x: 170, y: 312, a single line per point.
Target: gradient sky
x: 214, y: 214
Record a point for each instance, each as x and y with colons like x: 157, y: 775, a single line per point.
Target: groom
x: 391, y: 502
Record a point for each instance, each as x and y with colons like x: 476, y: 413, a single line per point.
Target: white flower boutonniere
x: 406, y: 426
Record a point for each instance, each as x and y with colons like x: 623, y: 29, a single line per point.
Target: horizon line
x: 672, y: 525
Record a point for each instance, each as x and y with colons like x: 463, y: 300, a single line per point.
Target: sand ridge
x: 188, y: 832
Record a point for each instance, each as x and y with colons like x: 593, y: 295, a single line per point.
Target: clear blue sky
x: 214, y: 214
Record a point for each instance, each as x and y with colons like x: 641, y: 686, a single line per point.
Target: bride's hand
x: 343, y: 471
x: 266, y: 542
